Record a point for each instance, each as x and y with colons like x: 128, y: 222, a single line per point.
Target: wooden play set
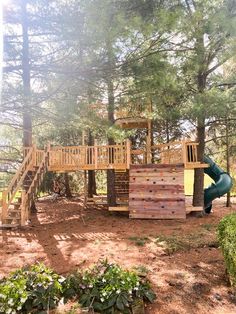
x: 149, y: 181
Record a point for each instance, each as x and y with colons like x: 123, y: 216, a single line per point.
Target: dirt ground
x: 181, y: 257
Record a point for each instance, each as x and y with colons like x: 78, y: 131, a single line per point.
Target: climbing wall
x: 156, y: 191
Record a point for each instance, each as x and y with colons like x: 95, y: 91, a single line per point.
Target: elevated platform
x: 117, y: 157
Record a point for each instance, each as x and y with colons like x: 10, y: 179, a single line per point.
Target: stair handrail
x: 20, y: 174
x: 41, y: 166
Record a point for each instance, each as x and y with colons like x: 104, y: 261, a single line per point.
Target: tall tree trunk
x: 228, y: 200
x: 198, y: 193
x: 198, y: 187
x: 67, y: 185
x: 111, y: 194
x: 27, y: 119
x: 92, y: 188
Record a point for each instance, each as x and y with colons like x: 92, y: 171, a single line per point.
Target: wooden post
x: 85, y: 188
x: 34, y: 161
x: 184, y: 152
x: 4, y: 205
x: 95, y: 155
x: 128, y: 153
x: 23, y: 208
x: 47, y: 150
x: 149, y: 144
x: 83, y: 137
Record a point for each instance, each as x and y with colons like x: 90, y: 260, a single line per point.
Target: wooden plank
x: 155, y: 216
x: 155, y: 187
x: 194, y: 165
x: 190, y: 208
x: 119, y: 208
x: 157, y: 210
x: 163, y: 211
x: 156, y: 180
x: 158, y: 201
x: 155, y: 166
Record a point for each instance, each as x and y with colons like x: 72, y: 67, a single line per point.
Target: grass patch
x: 139, y: 241
x: 208, y: 227
x: 173, y: 244
x: 141, y: 270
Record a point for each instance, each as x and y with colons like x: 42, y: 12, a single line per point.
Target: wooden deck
x: 118, y: 157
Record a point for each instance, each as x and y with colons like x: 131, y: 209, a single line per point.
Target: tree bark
x: 27, y: 119
x: 92, y: 188
x: 111, y: 194
x: 198, y: 187
x: 228, y: 199
x: 198, y: 192
x: 67, y: 185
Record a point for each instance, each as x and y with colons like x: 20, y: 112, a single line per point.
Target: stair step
x: 9, y: 226
x: 11, y: 221
x: 14, y: 212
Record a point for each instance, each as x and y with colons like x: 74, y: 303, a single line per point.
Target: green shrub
x: 227, y: 241
x: 31, y: 288
x: 107, y: 288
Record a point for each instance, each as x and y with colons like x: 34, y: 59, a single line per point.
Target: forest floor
x: 181, y: 257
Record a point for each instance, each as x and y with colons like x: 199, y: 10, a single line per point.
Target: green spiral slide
x: 223, y: 183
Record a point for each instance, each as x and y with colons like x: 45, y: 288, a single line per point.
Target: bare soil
x: 182, y: 258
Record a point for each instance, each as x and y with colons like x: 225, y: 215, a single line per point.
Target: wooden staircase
x: 26, y: 182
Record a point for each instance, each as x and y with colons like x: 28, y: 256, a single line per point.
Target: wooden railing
x: 190, y: 149
x: 16, y: 182
x: 177, y: 152
x: 37, y: 155
x: 90, y: 157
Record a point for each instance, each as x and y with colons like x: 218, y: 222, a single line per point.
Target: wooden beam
x: 128, y: 153
x: 118, y: 209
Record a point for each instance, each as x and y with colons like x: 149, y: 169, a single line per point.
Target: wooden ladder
x: 27, y: 180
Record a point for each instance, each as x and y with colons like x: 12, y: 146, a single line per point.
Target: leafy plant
x: 227, y: 241
x: 30, y: 288
x: 108, y: 288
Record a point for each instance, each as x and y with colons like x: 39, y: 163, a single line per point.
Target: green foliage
x: 227, y: 240
x: 35, y: 288
x: 107, y: 288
